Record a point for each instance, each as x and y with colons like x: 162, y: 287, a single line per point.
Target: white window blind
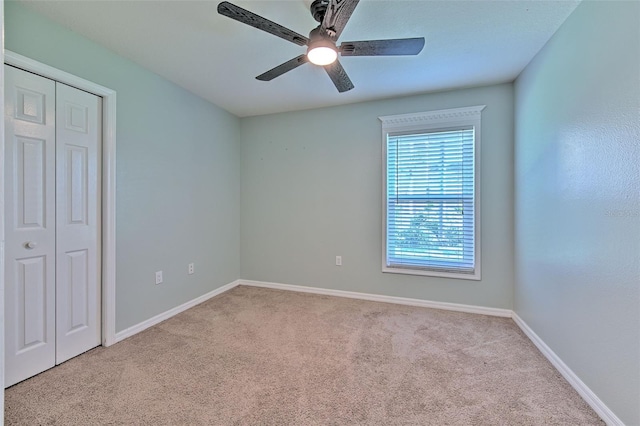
x: 430, y: 195
x: 430, y: 203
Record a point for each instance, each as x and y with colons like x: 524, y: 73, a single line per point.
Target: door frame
x: 2, y: 215
x: 108, y: 240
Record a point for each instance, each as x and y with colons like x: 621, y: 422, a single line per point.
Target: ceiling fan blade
x: 402, y: 46
x: 282, y: 68
x: 242, y: 15
x: 339, y: 76
x: 337, y: 15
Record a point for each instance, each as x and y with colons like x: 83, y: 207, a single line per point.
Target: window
x: 431, y: 200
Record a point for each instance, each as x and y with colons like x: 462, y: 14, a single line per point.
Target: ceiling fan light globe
x: 322, y: 55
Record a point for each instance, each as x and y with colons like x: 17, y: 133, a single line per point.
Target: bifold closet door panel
x: 78, y: 195
x: 30, y: 224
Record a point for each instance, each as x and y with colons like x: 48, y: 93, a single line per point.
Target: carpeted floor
x: 269, y: 357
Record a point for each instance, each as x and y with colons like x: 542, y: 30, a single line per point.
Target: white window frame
x: 429, y: 122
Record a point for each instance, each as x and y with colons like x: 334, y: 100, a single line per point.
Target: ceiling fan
x: 322, y: 50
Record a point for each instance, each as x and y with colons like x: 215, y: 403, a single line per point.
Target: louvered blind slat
x: 430, y: 200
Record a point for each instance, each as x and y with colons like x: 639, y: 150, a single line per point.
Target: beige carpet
x: 259, y: 356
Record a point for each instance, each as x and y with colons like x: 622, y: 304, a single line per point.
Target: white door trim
x: 108, y: 179
x: 2, y: 215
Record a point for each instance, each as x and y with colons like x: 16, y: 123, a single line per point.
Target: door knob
x: 30, y: 244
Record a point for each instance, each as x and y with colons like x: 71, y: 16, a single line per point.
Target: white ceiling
x: 468, y: 43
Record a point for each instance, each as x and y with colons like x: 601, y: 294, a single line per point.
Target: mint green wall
x: 312, y: 189
x: 177, y: 172
x: 578, y: 199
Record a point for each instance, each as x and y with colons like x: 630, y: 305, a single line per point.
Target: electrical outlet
x: 191, y: 268
x: 338, y: 260
x: 158, y: 277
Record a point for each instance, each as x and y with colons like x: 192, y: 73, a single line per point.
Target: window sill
x: 441, y: 274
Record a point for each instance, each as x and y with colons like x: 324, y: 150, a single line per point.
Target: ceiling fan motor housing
x: 318, y: 9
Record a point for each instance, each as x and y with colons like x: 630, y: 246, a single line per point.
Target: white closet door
x: 53, y: 136
x: 29, y: 224
x: 78, y: 272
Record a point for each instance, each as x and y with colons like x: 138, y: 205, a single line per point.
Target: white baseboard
x: 587, y: 394
x: 496, y: 312
x: 128, y: 332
